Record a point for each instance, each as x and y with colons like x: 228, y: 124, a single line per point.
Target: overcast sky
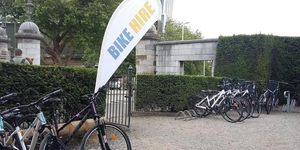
x: 228, y: 17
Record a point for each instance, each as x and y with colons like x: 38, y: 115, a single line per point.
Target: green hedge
x: 244, y: 57
x: 33, y: 82
x: 251, y: 57
x: 169, y: 92
x: 261, y: 58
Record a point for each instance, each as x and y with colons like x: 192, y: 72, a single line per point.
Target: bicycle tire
x: 248, y: 109
x: 47, y: 144
x: 24, y: 122
x: 201, y: 109
x: 232, y: 110
x: 115, y: 136
x: 269, y: 105
x: 193, y: 99
x: 261, y: 99
x: 257, y: 109
x: 251, y: 110
x: 8, y: 129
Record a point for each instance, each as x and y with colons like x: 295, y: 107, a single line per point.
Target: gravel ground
x: 277, y: 131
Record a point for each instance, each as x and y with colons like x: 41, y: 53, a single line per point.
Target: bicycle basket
x: 240, y: 81
x: 240, y: 84
x: 272, y: 86
x: 226, y: 81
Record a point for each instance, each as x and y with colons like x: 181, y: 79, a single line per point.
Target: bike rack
x: 186, y: 115
x: 290, y: 104
x: 180, y: 115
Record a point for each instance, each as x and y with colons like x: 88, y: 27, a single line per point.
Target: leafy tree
x: 13, y: 10
x: 67, y: 23
x: 173, y: 32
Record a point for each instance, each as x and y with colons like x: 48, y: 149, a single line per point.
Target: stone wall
x: 168, y: 57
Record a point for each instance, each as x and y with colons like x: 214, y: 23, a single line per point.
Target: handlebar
x: 280, y: 82
x: 8, y: 96
x: 43, y: 99
x: 92, y: 96
x: 101, y: 89
x: 284, y: 82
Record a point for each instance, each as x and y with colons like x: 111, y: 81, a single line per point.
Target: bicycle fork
x: 101, y: 132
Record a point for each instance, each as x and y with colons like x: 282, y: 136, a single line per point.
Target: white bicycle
x: 220, y: 103
x: 16, y: 139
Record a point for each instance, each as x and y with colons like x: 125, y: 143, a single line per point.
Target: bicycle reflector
x: 235, y: 105
x: 113, y: 136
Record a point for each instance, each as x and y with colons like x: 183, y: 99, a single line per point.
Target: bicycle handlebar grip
x: 5, y: 97
x: 53, y: 93
x: 44, y: 98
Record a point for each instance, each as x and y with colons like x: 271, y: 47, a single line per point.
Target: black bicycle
x: 270, y: 97
x: 102, y: 135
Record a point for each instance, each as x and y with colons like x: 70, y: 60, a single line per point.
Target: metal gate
x: 120, y: 98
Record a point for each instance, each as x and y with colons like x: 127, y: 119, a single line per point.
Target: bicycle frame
x: 2, y: 131
x: 88, y: 110
x: 37, y: 124
x: 219, y: 97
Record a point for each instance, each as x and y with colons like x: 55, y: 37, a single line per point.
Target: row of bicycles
x: 235, y: 102
x: 35, y: 130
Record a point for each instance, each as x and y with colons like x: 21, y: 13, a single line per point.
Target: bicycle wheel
x: 24, y: 124
x: 256, y: 109
x: 262, y: 99
x: 201, y: 108
x: 26, y: 121
x: 269, y: 105
x: 193, y: 99
x: 248, y: 109
x: 48, y: 143
x: 232, y: 110
x: 7, y: 130
x: 115, y: 137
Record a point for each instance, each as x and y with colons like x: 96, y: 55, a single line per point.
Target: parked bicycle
x: 248, y: 92
x: 102, y: 135
x: 270, y: 97
x: 16, y: 139
x: 230, y: 108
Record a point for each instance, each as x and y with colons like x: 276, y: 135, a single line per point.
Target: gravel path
x: 277, y: 131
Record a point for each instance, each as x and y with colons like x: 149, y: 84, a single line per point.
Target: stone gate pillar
x: 28, y: 38
x: 4, y: 44
x: 146, y: 53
